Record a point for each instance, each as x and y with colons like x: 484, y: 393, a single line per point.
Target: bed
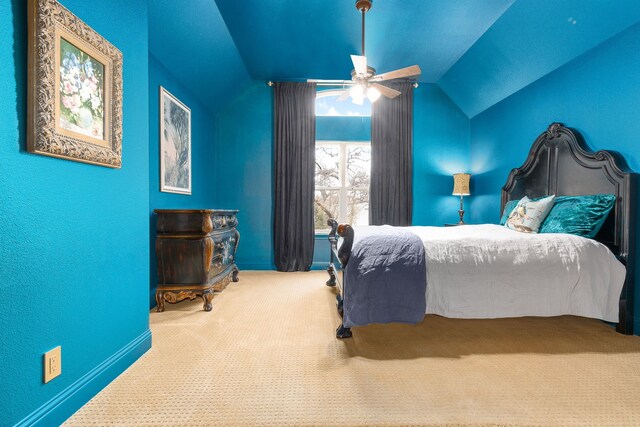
x: 489, y: 271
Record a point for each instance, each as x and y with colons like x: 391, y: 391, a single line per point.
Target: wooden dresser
x: 196, y: 251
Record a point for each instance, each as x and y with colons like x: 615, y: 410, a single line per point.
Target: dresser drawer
x: 222, y: 252
x: 196, y: 222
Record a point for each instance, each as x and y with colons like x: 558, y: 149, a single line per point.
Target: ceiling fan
x: 364, y: 80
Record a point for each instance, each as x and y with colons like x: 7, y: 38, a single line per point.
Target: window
x: 343, y: 171
x: 327, y: 104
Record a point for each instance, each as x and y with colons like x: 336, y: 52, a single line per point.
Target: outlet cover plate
x: 52, y: 364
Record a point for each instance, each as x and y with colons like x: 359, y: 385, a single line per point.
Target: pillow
x: 579, y: 215
x: 508, y: 208
x: 529, y: 214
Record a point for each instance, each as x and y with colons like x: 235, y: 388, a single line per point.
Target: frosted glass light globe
x: 373, y: 94
x: 356, y: 91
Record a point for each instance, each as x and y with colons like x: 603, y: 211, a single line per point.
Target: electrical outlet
x: 52, y: 364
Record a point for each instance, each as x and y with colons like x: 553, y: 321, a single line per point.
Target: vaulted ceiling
x: 477, y: 51
x: 301, y: 39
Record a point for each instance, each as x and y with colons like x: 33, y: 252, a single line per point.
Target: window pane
x: 358, y: 165
x: 327, y: 104
x: 358, y: 209
x: 327, y: 205
x: 327, y: 166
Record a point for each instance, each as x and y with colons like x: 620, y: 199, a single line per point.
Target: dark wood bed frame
x: 559, y: 163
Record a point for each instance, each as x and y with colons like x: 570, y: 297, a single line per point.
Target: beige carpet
x: 267, y: 355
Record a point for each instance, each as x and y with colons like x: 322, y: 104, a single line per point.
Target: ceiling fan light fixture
x: 356, y: 91
x: 373, y: 94
x: 365, y: 83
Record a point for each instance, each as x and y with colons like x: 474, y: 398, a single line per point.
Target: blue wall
x: 598, y: 93
x: 339, y: 128
x: 440, y: 149
x: 203, y: 187
x: 74, y: 236
x: 243, y: 172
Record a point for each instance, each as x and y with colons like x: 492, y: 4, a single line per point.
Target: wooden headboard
x: 560, y: 163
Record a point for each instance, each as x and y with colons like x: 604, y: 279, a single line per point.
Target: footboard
x: 338, y: 259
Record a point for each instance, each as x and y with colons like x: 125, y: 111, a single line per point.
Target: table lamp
x: 461, y: 188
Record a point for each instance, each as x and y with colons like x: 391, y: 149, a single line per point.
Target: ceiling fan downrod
x: 363, y: 6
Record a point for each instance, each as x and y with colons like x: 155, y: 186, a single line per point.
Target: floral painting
x: 74, y: 90
x: 175, y: 145
x: 81, y: 92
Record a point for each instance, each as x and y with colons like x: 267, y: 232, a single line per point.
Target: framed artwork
x: 74, y: 89
x: 175, y: 145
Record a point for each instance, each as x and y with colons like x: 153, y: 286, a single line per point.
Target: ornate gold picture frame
x: 75, y: 88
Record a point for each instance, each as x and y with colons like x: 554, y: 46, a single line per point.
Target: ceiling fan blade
x: 387, y: 91
x: 414, y: 70
x: 344, y: 96
x: 359, y: 64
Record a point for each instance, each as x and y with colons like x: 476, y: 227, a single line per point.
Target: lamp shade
x: 461, y: 184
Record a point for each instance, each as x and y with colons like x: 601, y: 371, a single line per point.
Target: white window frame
x: 344, y: 188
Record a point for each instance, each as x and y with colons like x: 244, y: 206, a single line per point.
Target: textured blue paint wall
x: 202, y: 159
x: 243, y: 172
x: 440, y: 149
x: 74, y: 236
x: 598, y: 93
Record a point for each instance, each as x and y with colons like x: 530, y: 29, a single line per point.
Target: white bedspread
x: 490, y: 271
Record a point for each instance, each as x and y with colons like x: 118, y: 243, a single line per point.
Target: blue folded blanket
x: 385, y: 278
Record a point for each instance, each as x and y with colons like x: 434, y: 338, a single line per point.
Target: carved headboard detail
x: 560, y: 163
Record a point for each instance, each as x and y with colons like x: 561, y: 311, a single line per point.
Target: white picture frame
x: 175, y: 144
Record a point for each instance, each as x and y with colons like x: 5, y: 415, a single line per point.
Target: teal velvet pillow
x: 579, y: 215
x: 529, y: 214
x: 508, y: 208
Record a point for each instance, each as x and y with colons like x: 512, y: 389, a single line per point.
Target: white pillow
x: 528, y: 215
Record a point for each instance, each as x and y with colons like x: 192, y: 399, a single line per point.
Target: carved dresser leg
x: 332, y: 275
x: 234, y: 274
x: 207, y: 297
x: 159, y: 301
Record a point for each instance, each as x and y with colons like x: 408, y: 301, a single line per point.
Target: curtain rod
x: 336, y: 84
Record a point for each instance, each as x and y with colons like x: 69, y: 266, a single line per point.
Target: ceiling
x: 531, y: 39
x: 194, y: 45
x: 477, y: 51
x: 286, y: 39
